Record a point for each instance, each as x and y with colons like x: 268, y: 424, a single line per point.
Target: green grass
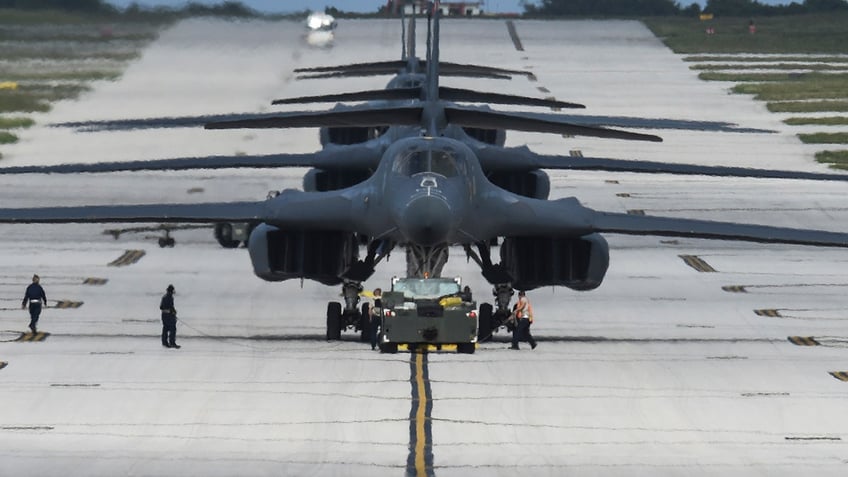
x: 820, y: 33
x: 812, y: 86
x: 7, y: 138
x: 744, y: 77
x: 15, y: 123
x: 12, y: 101
x: 808, y: 106
x: 762, y: 59
x: 34, y: 54
x: 824, y: 121
x: 90, y: 75
x: 776, y: 66
x: 836, y: 159
x: 824, y: 138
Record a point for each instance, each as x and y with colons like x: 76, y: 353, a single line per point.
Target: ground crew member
x: 35, y: 296
x: 374, y: 316
x: 169, y: 319
x: 524, y: 317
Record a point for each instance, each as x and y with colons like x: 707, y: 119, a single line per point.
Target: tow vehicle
x: 428, y: 311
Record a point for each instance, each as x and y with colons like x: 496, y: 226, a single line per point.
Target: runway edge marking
x: 420, y: 460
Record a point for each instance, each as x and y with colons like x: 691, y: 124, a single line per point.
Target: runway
x: 695, y: 358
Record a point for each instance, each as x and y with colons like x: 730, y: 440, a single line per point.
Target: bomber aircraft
x: 429, y: 192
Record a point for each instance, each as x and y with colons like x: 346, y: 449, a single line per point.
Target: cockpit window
x: 442, y: 162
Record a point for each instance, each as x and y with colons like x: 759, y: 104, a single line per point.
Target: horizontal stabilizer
x: 396, y: 67
x: 389, y: 71
x: 617, y: 223
x: 450, y: 94
x: 361, y: 117
x: 372, y: 95
x: 471, y: 96
x: 469, y: 117
x: 522, y: 159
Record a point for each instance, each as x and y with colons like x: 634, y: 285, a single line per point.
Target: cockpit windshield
x: 442, y: 162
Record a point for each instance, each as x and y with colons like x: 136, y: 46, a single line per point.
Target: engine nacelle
x: 347, y: 135
x: 495, y: 137
x: 576, y: 263
x: 534, y: 184
x: 320, y: 255
x: 320, y: 180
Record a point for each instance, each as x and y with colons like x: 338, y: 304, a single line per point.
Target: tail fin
x: 433, y: 57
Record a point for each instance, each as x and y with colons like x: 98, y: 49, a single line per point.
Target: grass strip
x: 824, y: 121
x: 15, y: 123
x: 11, y: 101
x: 824, y: 138
x: 747, y: 77
x: 92, y: 75
x: 775, y: 66
x: 7, y: 138
x: 790, y: 34
x: 808, y: 106
x: 812, y: 86
x: 769, y: 59
x: 836, y: 159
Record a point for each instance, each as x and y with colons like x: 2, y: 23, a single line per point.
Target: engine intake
x: 576, y: 263
x: 320, y: 255
x: 534, y: 184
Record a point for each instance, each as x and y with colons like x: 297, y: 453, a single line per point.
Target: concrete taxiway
x: 694, y: 358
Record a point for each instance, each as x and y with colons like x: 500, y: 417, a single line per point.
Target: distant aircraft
x: 426, y: 193
x: 320, y: 21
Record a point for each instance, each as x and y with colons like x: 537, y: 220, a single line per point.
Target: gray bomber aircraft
x: 427, y: 193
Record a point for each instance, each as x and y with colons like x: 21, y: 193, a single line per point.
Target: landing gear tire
x: 166, y: 242
x: 334, y: 321
x: 224, y: 235
x: 388, y: 347
x: 365, y: 324
x: 465, y: 348
x: 484, y: 323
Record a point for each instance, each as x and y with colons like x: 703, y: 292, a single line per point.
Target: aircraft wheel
x: 166, y: 242
x: 334, y: 321
x: 364, y: 324
x: 224, y: 235
x: 484, y: 323
x: 465, y: 348
x: 389, y: 348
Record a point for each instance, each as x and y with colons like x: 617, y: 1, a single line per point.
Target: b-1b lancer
x: 430, y: 192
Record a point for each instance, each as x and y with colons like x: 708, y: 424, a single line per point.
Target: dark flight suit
x: 169, y: 321
x: 376, y: 313
x: 35, y: 296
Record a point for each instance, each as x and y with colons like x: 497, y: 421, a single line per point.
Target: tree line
x: 726, y: 8
x: 225, y: 8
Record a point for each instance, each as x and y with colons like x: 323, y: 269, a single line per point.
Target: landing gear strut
x: 490, y: 319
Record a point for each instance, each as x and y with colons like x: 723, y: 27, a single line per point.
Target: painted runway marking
x: 68, y: 304
x: 3, y: 364
x: 579, y: 153
x: 128, y: 258
x: 840, y: 375
x: 513, y: 34
x: 803, y: 341
x: 697, y: 263
x: 734, y: 289
x: 420, y: 460
x: 94, y: 281
x: 31, y: 337
x: 770, y: 313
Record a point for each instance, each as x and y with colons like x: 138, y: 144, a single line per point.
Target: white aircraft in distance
x: 320, y: 21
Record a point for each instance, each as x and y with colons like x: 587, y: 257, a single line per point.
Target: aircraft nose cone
x: 426, y: 221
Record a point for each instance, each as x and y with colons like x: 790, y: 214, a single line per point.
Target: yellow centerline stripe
x: 420, y: 416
